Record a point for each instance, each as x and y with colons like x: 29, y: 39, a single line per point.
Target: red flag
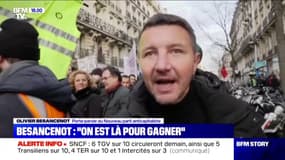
x: 224, y: 72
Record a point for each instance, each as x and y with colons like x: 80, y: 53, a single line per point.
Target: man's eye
x: 176, y: 51
x: 147, y: 54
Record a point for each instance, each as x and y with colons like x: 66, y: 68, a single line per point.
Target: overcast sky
x: 201, y: 14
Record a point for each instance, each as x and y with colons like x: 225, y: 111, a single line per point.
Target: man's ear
x: 197, y: 58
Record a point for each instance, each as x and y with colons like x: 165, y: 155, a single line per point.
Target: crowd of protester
x: 261, y: 80
x: 102, y: 93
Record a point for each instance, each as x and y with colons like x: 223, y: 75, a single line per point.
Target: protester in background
x: 26, y: 89
x: 133, y: 80
x: 260, y: 80
x: 272, y: 81
x: 96, y: 76
x: 116, y: 100
x: 126, y: 81
x: 88, y: 103
x: 252, y: 80
x: 168, y: 60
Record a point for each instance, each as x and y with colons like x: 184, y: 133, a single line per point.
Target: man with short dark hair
x: 27, y: 89
x: 133, y: 80
x: 168, y: 61
x: 97, y: 83
x: 116, y: 99
x: 126, y: 81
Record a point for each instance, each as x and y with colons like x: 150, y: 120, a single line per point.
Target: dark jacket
x: 29, y: 78
x: 272, y: 81
x: 212, y: 81
x: 88, y: 104
x: 115, y: 104
x: 202, y: 104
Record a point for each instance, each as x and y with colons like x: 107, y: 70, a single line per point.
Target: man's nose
x: 162, y: 62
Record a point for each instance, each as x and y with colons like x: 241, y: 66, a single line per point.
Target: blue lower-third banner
x: 122, y: 131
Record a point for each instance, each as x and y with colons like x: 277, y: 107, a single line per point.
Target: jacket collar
x: 14, y: 68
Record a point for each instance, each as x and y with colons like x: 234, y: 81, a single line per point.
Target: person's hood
x: 29, y: 78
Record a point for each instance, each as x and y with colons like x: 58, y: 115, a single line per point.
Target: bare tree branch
x: 222, y: 20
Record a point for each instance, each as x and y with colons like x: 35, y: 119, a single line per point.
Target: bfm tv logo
x: 21, y: 12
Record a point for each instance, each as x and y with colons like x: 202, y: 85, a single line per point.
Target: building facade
x: 108, y: 29
x: 254, y: 34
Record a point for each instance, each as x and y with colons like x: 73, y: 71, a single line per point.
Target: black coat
x: 115, y: 103
x: 88, y: 104
x: 202, y: 104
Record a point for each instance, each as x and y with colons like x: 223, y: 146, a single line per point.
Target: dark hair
x: 199, y: 50
x: 96, y: 71
x: 114, y: 72
x: 132, y: 75
x: 169, y: 19
x: 13, y: 60
x: 125, y: 76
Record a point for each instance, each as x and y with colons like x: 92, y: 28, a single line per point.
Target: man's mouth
x: 164, y: 85
x: 164, y: 81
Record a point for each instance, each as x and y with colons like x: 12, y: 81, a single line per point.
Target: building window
x: 270, y: 42
x: 114, y: 61
x: 128, y: 14
x: 263, y: 57
x: 135, y: 20
x: 112, y: 5
x: 121, y: 62
x: 100, y: 56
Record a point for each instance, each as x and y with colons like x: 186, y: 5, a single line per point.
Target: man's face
x: 132, y: 80
x: 126, y: 82
x: 110, y: 82
x: 96, y: 78
x: 167, y: 62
